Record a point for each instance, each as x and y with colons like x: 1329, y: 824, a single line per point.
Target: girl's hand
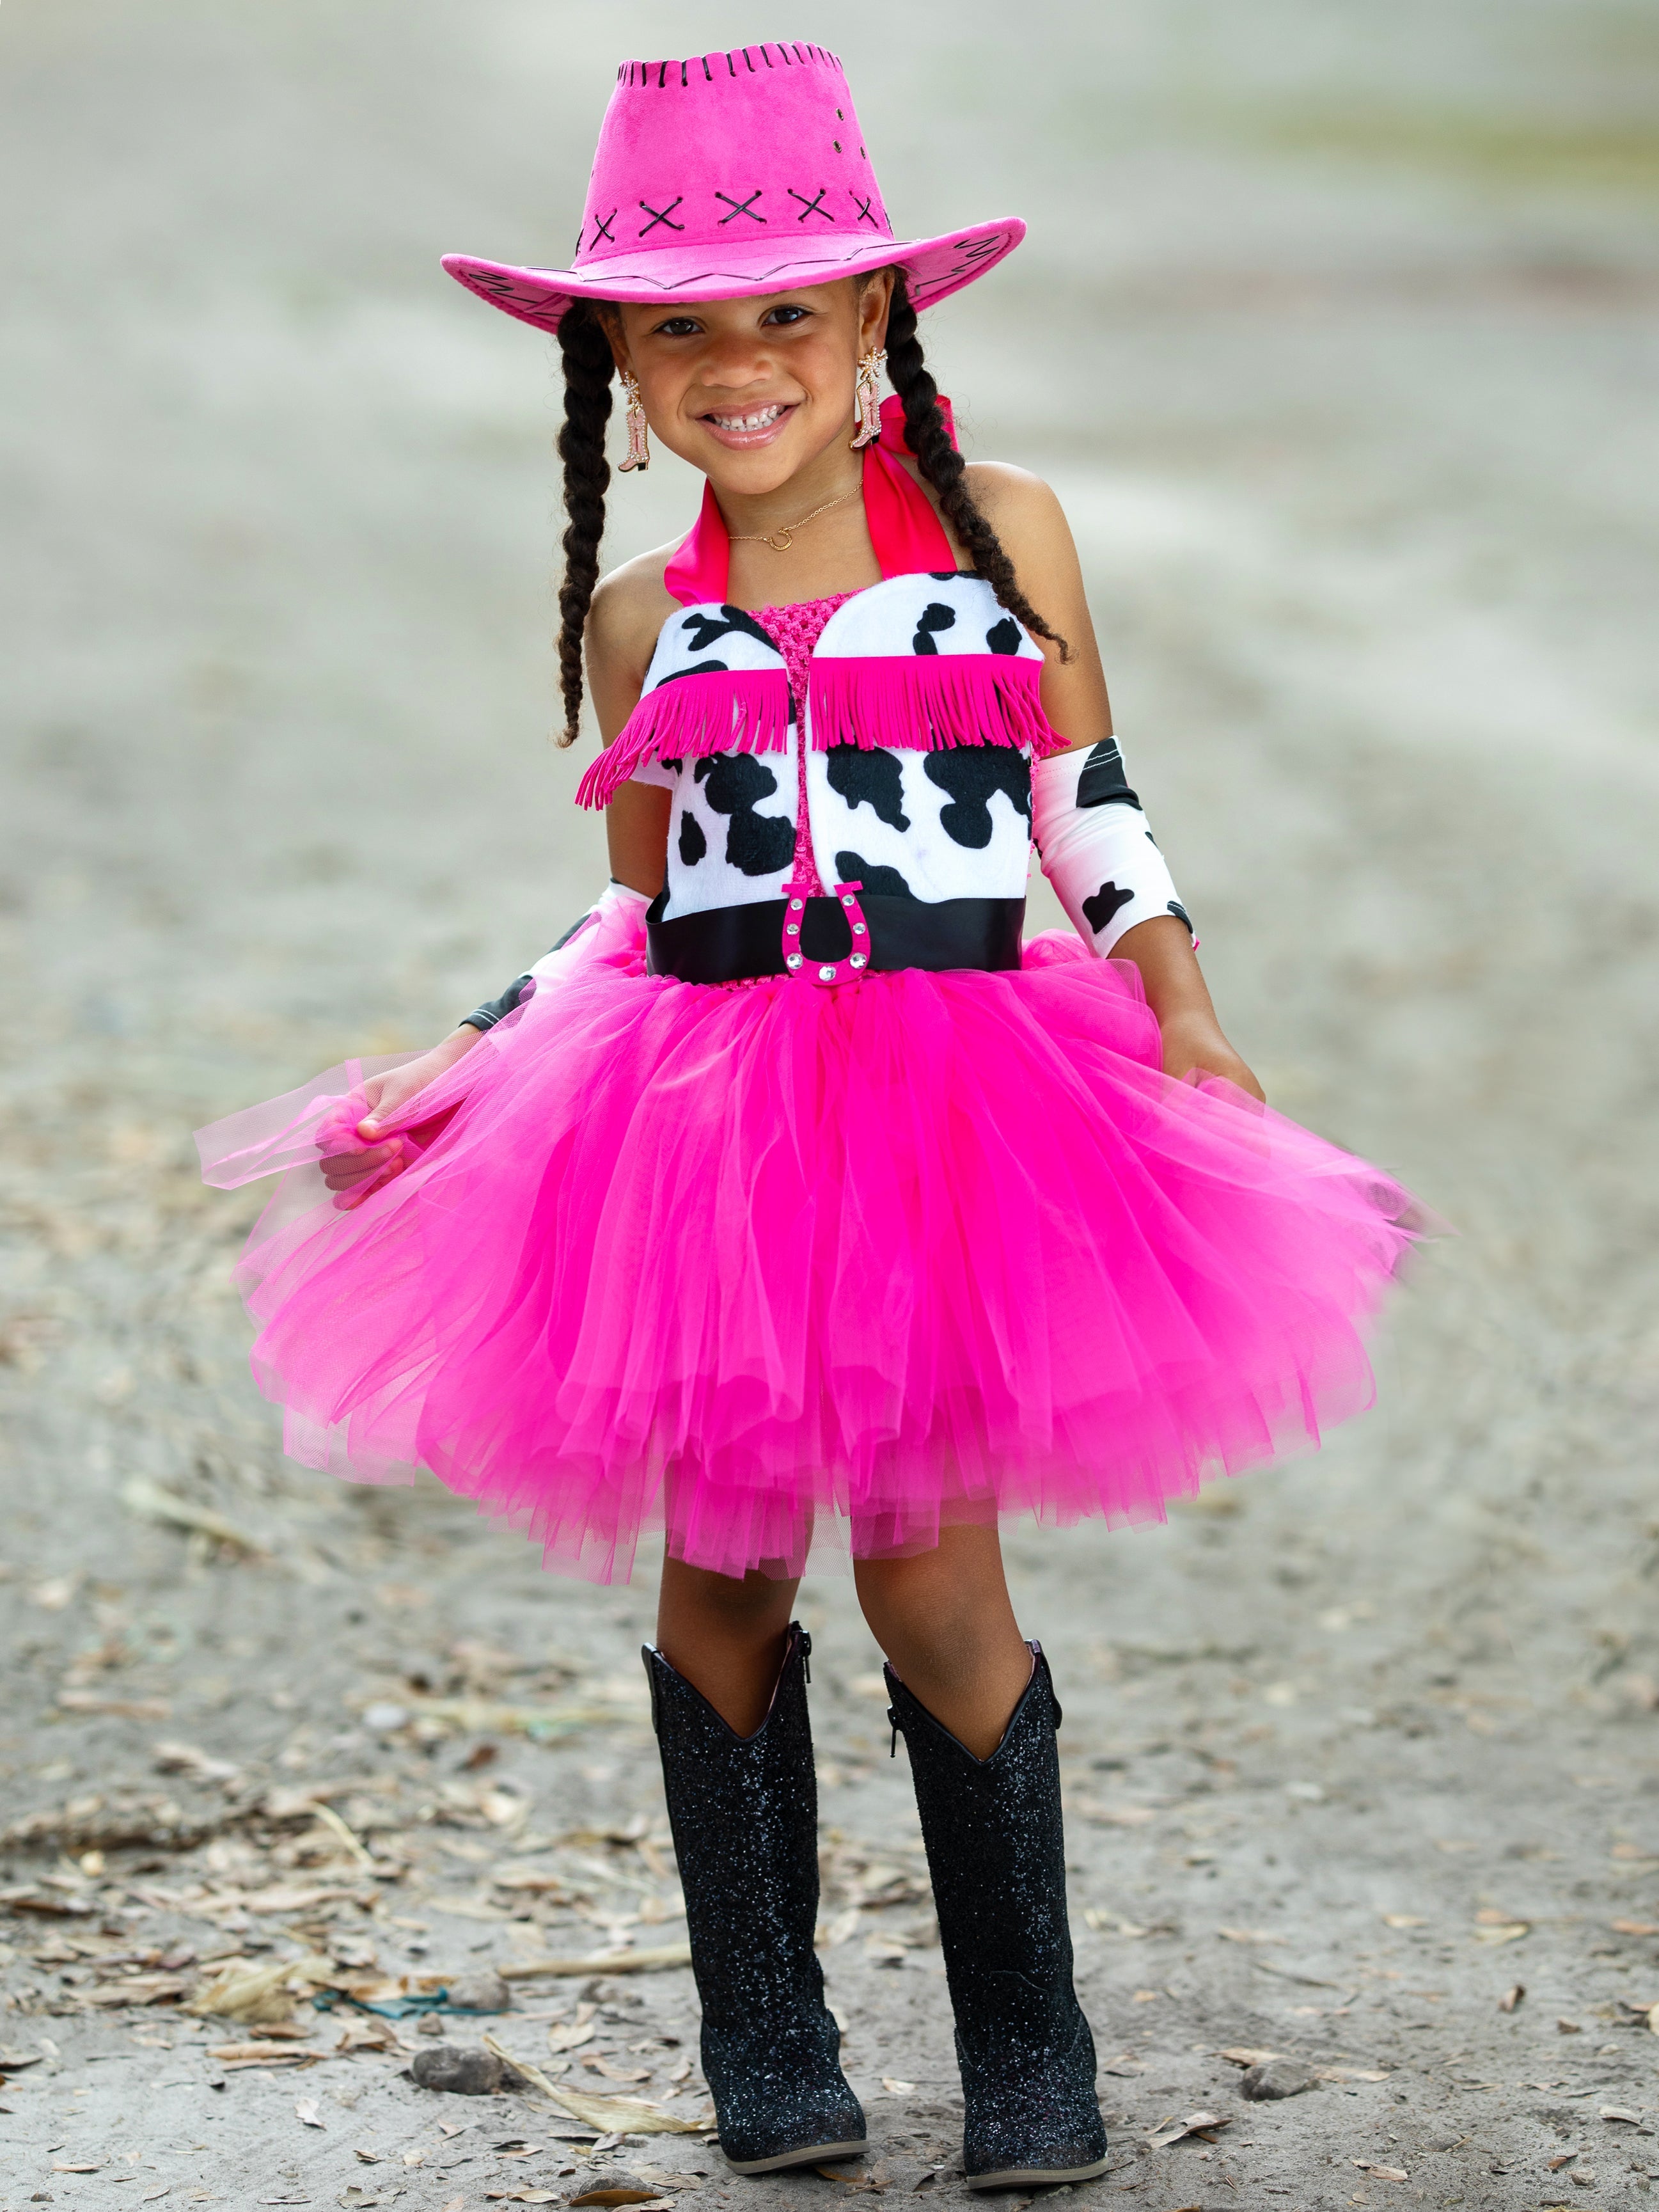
x: 1194, y: 1044
x: 352, y: 1175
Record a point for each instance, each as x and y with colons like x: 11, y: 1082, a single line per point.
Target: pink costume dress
x: 737, y: 1260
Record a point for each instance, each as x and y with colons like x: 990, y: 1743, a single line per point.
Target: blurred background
x: 1335, y: 330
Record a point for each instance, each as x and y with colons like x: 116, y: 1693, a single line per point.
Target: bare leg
x: 945, y: 1621
x: 725, y: 1637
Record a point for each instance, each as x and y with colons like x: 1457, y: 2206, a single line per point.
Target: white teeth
x: 763, y: 420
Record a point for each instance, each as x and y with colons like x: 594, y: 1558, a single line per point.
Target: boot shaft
x: 996, y: 1839
x: 744, y: 1813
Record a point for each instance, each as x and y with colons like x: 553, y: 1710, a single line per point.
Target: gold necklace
x: 782, y: 540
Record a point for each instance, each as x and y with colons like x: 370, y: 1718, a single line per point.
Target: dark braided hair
x: 944, y: 467
x: 587, y: 372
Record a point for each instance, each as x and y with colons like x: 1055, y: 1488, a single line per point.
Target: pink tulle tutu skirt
x: 743, y: 1262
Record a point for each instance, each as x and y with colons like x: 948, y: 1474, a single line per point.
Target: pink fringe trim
x: 911, y: 703
x: 738, y: 710
x: 926, y: 703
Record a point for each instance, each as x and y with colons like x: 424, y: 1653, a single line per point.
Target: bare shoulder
x: 630, y: 607
x: 1023, y: 511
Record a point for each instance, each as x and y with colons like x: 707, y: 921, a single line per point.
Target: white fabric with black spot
x: 731, y: 828
x: 1096, y: 849
x: 950, y: 613
x: 731, y: 822
x: 955, y: 822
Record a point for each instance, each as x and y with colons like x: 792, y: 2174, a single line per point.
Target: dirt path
x: 1341, y: 357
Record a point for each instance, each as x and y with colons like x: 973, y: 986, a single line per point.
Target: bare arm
x: 1029, y: 520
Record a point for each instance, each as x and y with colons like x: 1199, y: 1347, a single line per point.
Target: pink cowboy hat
x: 731, y: 173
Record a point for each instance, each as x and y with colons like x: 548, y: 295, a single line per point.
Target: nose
x: 734, y: 362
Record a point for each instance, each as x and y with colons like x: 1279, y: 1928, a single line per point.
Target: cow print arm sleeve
x: 1096, y: 849
x: 582, y: 940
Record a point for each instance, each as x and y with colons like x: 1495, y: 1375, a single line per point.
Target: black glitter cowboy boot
x: 998, y: 1859
x: 744, y: 1812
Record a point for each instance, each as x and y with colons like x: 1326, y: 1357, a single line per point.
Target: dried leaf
x: 617, y: 2073
x: 1350, y: 2074
x: 1248, y: 1935
x: 1507, y: 1932
x: 150, y: 1502
x: 125, y: 1709
x: 1195, y: 2124
x: 1634, y: 1927
x: 78, y: 2165
x: 895, y: 2087
x: 1241, y: 2054
x: 1512, y: 1998
x: 187, y: 1759
x: 1380, y: 2172
x: 520, y: 2197
x: 603, y: 1962
x: 1119, y: 1816
x: 1629, y: 2119
x: 1404, y: 1920
x: 617, y: 2193
x: 252, y: 1993
x: 305, y: 2112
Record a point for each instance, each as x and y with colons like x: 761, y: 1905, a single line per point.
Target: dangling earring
x: 867, y: 405
x: 638, y: 455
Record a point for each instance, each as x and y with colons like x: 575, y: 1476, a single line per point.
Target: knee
x: 754, y: 1602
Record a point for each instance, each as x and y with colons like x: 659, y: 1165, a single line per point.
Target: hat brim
x: 935, y: 267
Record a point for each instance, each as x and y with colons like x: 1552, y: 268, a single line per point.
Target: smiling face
x: 758, y: 392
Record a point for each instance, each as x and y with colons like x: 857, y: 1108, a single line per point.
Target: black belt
x: 731, y: 944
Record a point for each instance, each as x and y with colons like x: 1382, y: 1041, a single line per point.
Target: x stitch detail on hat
x: 697, y: 192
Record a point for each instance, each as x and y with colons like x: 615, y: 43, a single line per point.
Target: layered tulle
x: 926, y: 1249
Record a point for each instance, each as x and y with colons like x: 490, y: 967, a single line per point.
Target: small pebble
x: 1278, y: 2077
x: 482, y: 1991
x: 463, y: 2073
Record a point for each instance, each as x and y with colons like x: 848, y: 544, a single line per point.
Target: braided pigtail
x: 587, y: 372
x: 944, y: 467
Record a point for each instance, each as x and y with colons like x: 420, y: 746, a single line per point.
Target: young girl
x: 791, y: 1187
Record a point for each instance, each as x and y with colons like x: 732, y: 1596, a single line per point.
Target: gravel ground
x: 1340, y: 350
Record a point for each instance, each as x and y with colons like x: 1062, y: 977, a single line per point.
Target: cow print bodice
x: 942, y: 813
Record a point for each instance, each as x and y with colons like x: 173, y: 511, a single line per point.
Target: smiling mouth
x: 760, y: 419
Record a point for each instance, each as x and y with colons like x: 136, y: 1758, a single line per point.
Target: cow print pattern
x: 949, y: 611
x: 1102, y: 782
x: 933, y: 618
x: 759, y: 845
x: 873, y: 778
x: 701, y: 627
x: 875, y: 882
x: 1106, y: 900
x: 973, y: 775
x: 928, y: 825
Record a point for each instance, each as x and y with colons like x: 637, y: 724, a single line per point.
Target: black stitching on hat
x: 766, y: 56
x: 740, y: 207
x: 709, y: 74
x: 864, y: 214
x: 662, y: 75
x: 811, y: 207
x: 661, y: 216
x: 602, y: 229
x: 682, y: 76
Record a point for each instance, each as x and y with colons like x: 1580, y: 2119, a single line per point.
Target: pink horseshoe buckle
x: 826, y: 972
